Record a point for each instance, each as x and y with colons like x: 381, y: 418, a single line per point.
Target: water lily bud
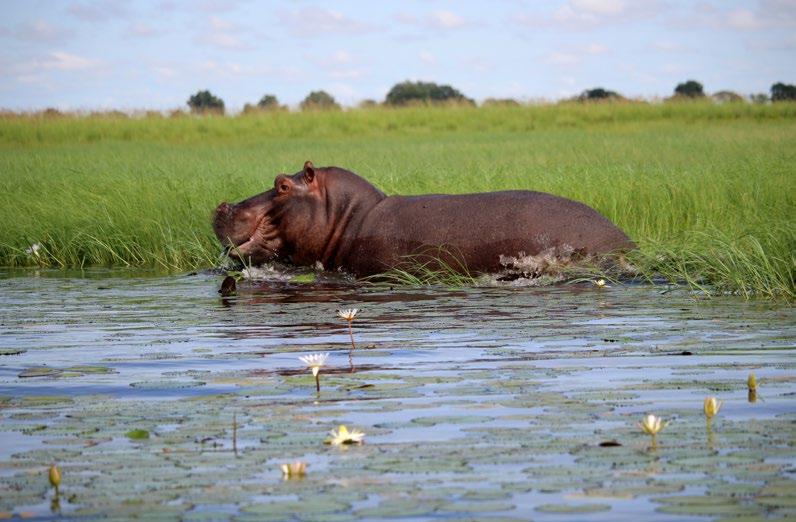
x: 711, y: 407
x: 751, y: 382
x: 55, y: 476
x: 294, y: 469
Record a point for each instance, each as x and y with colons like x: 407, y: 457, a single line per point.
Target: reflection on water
x: 510, y: 388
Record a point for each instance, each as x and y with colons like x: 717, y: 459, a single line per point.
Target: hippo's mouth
x: 262, y: 244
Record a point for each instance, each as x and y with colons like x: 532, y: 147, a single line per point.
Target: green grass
x: 706, y: 191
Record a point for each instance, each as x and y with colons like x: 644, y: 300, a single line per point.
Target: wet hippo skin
x: 332, y: 216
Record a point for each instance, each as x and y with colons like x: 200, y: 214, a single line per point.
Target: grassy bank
x: 706, y: 191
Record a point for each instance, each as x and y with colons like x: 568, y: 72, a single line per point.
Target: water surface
x: 479, y: 403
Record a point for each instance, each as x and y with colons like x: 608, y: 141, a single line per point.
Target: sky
x: 153, y: 54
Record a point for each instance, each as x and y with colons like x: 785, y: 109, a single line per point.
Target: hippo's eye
x: 283, y: 187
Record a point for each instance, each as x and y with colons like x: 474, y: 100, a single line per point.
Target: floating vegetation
x: 484, y: 404
x: 137, y: 434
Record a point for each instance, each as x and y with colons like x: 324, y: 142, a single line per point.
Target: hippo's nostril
x: 223, y: 208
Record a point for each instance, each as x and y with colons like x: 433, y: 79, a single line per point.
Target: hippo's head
x: 300, y: 220
x: 247, y: 230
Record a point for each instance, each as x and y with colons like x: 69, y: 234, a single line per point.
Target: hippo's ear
x: 309, y: 172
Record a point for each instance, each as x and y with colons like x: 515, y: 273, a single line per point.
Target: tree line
x: 429, y: 93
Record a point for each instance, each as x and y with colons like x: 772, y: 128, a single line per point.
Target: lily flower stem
x: 317, y: 383
x: 235, y: 433
x: 351, y: 334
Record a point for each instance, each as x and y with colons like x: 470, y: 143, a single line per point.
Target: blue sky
x: 99, y: 54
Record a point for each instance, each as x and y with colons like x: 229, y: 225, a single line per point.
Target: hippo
x: 332, y: 218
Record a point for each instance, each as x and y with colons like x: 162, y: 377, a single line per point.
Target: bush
x: 267, y: 103
x: 500, y: 102
x: 598, y: 94
x: 689, y: 89
x: 319, y: 100
x: 727, y: 97
x: 759, y: 98
x: 407, y: 92
x: 204, y: 101
x: 783, y: 92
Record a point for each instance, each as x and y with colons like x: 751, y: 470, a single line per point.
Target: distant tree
x: 500, y: 102
x: 424, y: 92
x: 319, y: 100
x: 598, y: 94
x: 51, y: 112
x: 759, y: 98
x: 368, y: 104
x: 783, y: 92
x: 689, y: 89
x: 268, y: 102
x: 727, y: 97
x: 204, y: 101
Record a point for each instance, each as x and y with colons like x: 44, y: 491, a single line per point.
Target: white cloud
x: 575, y: 55
x: 165, y: 72
x: 445, y: 20
x: 599, y: 7
x: 311, y: 21
x: 141, y: 29
x: 40, y: 30
x: 595, y: 48
x: 98, y: 10
x: 427, y: 58
x: 346, y: 74
x: 439, y: 20
x: 63, y: 61
x: 583, y: 14
x: 560, y: 58
x: 342, y: 57
x: 667, y: 46
x: 224, y: 34
x: 479, y: 64
x: 743, y: 19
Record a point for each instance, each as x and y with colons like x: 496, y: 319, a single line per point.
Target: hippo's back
x: 480, y: 228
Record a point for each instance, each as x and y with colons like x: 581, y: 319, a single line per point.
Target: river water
x: 157, y: 397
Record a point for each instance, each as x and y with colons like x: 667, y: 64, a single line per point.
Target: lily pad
x: 166, y: 385
x: 573, y: 508
x: 41, y: 371
x: 90, y: 369
x: 137, y: 434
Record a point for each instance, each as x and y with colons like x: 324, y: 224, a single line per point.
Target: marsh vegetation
x: 706, y: 191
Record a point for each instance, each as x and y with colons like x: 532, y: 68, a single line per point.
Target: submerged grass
x: 706, y: 191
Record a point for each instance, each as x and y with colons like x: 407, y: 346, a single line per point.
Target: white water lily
x: 348, y: 315
x: 343, y: 436
x: 33, y: 250
x: 315, y: 361
x: 652, y: 424
x: 600, y: 283
x: 294, y: 469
